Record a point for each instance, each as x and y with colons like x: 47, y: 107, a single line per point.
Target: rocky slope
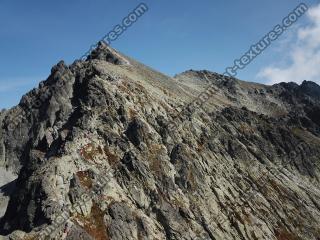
x: 96, y: 160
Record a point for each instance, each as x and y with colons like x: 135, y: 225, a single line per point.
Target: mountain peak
x: 310, y: 88
x: 242, y: 156
x: 104, y: 52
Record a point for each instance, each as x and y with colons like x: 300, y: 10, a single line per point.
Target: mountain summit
x: 89, y: 155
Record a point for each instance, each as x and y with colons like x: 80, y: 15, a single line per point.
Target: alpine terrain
x: 105, y: 148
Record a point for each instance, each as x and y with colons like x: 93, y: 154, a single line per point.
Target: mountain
x: 89, y: 154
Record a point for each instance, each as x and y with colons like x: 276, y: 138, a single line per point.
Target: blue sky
x: 173, y: 36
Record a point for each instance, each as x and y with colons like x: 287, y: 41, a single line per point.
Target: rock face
x: 96, y: 160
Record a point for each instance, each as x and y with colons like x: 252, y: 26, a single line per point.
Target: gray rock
x: 96, y: 158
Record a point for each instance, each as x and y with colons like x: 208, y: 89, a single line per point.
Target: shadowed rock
x: 96, y: 158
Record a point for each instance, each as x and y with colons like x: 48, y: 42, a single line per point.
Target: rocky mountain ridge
x: 95, y: 158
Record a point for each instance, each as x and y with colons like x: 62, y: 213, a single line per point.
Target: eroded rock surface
x: 96, y: 160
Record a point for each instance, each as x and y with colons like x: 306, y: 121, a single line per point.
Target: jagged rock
x: 96, y: 158
x: 137, y: 132
x: 105, y: 53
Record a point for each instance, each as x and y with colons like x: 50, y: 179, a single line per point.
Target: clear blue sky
x: 173, y: 36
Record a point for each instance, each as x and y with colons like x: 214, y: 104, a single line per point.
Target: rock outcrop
x: 96, y: 160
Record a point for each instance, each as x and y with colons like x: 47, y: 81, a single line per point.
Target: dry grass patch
x: 283, y: 234
x: 90, y: 151
x: 85, y: 179
x: 112, y: 158
x: 94, y: 224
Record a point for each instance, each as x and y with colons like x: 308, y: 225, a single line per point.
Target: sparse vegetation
x: 94, y: 224
x: 90, y: 151
x: 85, y: 179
